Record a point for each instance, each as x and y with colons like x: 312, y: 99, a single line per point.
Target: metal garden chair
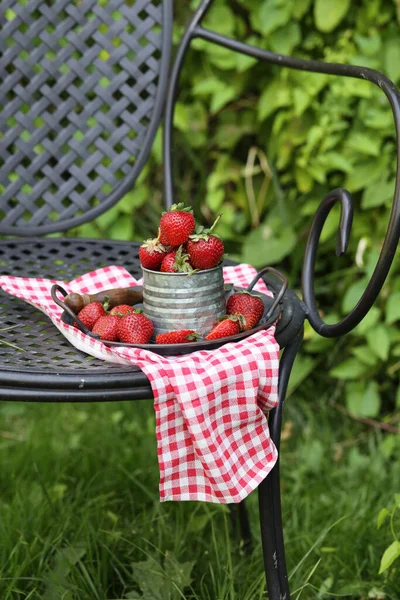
x: 83, y: 86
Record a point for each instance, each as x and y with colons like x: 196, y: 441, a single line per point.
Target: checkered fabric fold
x: 211, y: 406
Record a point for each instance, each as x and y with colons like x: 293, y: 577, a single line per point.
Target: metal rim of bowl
x: 182, y: 348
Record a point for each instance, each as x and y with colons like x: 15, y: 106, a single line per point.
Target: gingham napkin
x: 211, y: 406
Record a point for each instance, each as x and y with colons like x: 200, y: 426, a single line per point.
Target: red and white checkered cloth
x: 211, y: 406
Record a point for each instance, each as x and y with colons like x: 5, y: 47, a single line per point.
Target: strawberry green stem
x: 215, y: 223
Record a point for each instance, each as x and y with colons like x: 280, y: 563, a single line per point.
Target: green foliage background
x: 263, y: 145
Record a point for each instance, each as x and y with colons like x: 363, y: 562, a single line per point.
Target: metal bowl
x: 272, y: 309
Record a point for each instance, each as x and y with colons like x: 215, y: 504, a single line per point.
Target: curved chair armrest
x: 378, y: 277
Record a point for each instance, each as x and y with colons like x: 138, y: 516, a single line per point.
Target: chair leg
x: 269, y: 493
x: 239, y: 514
x: 272, y: 537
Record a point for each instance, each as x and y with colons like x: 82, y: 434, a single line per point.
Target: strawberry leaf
x: 180, y: 207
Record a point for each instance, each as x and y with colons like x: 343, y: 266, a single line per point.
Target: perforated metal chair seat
x: 49, y: 368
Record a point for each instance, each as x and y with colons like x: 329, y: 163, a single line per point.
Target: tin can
x: 175, y: 301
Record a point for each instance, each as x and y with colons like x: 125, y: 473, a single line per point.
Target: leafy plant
x: 161, y: 582
x: 392, y: 552
x: 57, y: 583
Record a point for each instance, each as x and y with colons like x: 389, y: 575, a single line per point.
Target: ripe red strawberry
x: 248, y: 305
x: 176, y: 262
x: 121, y: 310
x: 168, y: 262
x: 205, y: 250
x: 107, y: 328
x: 151, y: 253
x: 176, y: 225
x: 177, y: 337
x: 135, y: 328
x: 230, y: 325
x: 90, y: 313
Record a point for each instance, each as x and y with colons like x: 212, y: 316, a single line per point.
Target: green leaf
x: 276, y: 95
x: 348, y: 369
x: 371, y: 318
x: 58, y: 585
x: 197, y: 523
x: 272, y: 14
x: 207, y: 86
x: 133, y: 199
x: 222, y: 97
x: 354, y: 392
x: 304, y: 181
x: 347, y: 88
x: 376, y: 116
x: 365, y: 173
x: 265, y: 246
x: 220, y: 19
x: 377, y: 194
x: 161, y: 582
x: 312, y: 456
x: 353, y: 294
x: 215, y: 199
x: 220, y: 92
x: 150, y: 576
x: 370, y: 402
x: 379, y: 341
x: 393, y: 308
x: 181, y: 116
x: 286, y: 38
x: 370, y: 44
x: 397, y: 500
x: 178, y: 572
x: 300, y: 8
x: 121, y: 229
x: 391, y: 59
x: 364, y: 354
x: 383, y: 514
x: 364, y: 143
x: 221, y: 57
x: 303, y: 366
x: 312, y: 82
x: 193, y: 119
x: 244, y: 62
x: 302, y: 100
x: 329, y: 13
x: 331, y: 224
x: 333, y: 161
x: 389, y: 556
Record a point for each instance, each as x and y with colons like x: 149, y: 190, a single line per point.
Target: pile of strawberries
x: 181, y: 246
x: 124, y: 323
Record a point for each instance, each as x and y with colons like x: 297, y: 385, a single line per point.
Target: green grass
x: 80, y: 517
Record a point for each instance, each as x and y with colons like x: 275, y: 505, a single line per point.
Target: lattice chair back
x: 82, y: 85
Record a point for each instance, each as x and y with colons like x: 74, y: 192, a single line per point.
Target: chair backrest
x: 82, y: 85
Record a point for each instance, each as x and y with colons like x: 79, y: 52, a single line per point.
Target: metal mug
x: 175, y: 301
